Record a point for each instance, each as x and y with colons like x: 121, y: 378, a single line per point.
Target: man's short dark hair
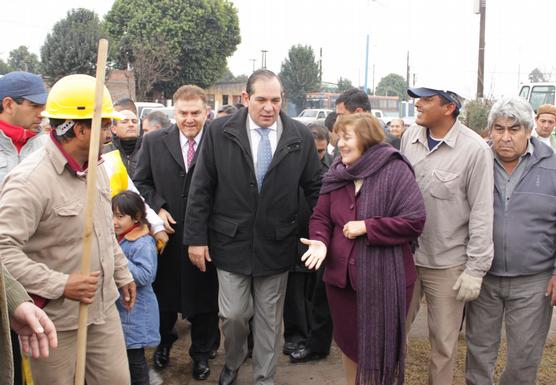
x: 69, y: 134
x: 18, y: 101
x: 353, y: 99
x: 160, y: 118
x: 330, y: 120
x: 319, y: 131
x: 227, y: 109
x: 258, y: 75
x: 125, y: 104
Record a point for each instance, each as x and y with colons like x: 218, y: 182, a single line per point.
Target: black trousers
x: 138, y: 368
x: 297, y: 307
x: 307, y: 318
x: 205, y: 333
x: 320, y: 334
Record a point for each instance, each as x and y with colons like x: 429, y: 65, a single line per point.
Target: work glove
x: 468, y: 287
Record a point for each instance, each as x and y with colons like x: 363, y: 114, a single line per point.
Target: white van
x: 538, y: 94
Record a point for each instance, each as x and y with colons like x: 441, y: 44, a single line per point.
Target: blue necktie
x: 264, y: 156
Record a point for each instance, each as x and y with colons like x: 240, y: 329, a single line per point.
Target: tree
x: 300, y: 74
x: 392, y: 85
x: 536, y: 76
x: 149, y: 69
x: 344, y: 84
x: 20, y: 59
x: 72, y: 45
x: 476, y: 114
x: 4, y: 67
x: 229, y: 77
x: 199, y: 35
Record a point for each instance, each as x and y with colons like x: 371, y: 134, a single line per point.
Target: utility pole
x: 263, y: 59
x: 253, y: 61
x: 366, y: 89
x: 406, y: 97
x: 481, y: 5
x: 320, y: 67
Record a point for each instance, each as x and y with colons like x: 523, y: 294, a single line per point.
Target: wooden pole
x: 91, y: 199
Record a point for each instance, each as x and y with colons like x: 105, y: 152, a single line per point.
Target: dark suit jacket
x: 249, y: 232
x: 163, y: 182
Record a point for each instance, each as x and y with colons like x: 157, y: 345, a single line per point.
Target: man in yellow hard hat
x: 42, y: 215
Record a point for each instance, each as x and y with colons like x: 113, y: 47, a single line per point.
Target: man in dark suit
x: 242, y: 206
x: 166, y: 163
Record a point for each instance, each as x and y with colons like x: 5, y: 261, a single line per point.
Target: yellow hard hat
x: 73, y: 97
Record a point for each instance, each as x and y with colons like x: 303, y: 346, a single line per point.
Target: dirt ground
x: 329, y: 371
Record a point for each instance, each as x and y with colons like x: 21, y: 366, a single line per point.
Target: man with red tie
x: 163, y: 174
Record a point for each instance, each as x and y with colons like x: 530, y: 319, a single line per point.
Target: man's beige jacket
x: 42, y: 216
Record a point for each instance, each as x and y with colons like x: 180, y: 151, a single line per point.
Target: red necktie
x: 190, y: 152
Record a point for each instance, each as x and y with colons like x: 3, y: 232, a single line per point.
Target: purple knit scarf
x: 381, y: 275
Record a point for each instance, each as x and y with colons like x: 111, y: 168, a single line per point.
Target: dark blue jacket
x: 141, y: 324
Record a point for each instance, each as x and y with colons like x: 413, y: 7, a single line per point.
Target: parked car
x: 538, y: 94
x: 142, y: 105
x: 310, y: 115
x: 169, y: 111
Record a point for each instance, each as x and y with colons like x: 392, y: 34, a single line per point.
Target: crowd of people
x: 252, y: 220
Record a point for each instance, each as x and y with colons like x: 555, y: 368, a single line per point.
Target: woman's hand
x: 354, y: 229
x: 316, y: 253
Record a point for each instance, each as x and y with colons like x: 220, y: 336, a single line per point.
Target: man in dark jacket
x: 166, y: 163
x: 126, y: 139
x: 520, y: 287
x: 307, y: 322
x: 243, y: 205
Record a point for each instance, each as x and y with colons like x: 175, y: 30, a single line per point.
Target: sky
x: 441, y: 37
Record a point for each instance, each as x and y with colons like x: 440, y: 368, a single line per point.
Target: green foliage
x: 229, y: 77
x: 475, y: 114
x: 536, y: 76
x: 198, y: 36
x: 392, y: 85
x: 71, y: 47
x: 20, y: 59
x: 300, y: 74
x: 4, y: 67
x: 344, y: 84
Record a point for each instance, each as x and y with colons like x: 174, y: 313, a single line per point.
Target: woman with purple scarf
x: 369, y: 213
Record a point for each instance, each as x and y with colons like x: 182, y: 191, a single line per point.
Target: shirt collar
x: 450, y: 137
x: 529, y: 151
x: 253, y: 126
x: 61, y: 159
x: 184, y: 140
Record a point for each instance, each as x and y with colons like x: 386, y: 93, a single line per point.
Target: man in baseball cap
x: 22, y: 99
x: 453, y: 167
x: 545, y: 122
x: 449, y: 96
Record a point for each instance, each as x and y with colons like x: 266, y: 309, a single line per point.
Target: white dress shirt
x: 184, y: 144
x: 256, y: 138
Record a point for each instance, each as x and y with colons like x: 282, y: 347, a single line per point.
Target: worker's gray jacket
x: 9, y: 157
x: 525, y: 228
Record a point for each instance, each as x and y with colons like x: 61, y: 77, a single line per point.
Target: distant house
x: 223, y: 93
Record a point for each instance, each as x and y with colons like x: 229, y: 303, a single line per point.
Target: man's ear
x: 450, y: 108
x: 79, y: 130
x: 245, y: 98
x: 7, y: 104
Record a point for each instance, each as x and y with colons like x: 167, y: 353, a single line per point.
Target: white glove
x: 468, y: 287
